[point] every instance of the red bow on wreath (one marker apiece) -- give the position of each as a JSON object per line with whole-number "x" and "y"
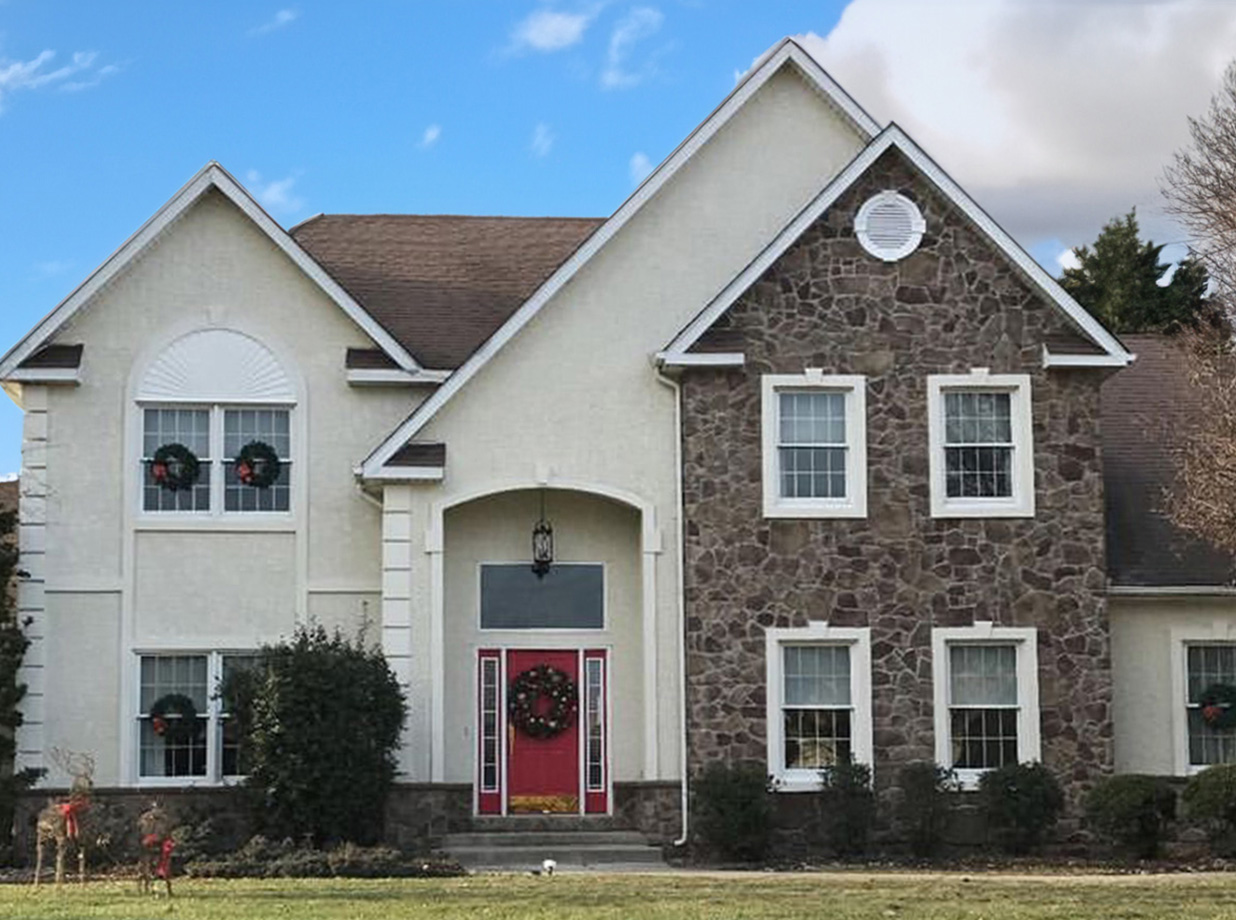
{"x": 159, "y": 725}
{"x": 158, "y": 472}
{"x": 244, "y": 472}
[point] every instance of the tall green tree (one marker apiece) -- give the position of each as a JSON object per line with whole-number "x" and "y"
{"x": 1120, "y": 282}
{"x": 13, "y": 645}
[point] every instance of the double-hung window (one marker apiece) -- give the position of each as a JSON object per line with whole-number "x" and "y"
{"x": 818, "y": 702}
{"x": 1205, "y": 667}
{"x": 184, "y": 732}
{"x": 814, "y": 445}
{"x": 218, "y": 438}
{"x": 981, "y": 445}
{"x": 986, "y": 698}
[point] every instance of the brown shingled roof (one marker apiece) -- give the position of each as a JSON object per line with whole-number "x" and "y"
{"x": 1141, "y": 404}
{"x": 441, "y": 285}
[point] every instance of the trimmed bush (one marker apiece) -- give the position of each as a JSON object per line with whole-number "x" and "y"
{"x": 1133, "y": 812}
{"x": 1021, "y": 801}
{"x": 262, "y": 858}
{"x": 848, "y": 807}
{"x": 1210, "y": 799}
{"x": 924, "y": 807}
{"x": 731, "y": 812}
{"x": 319, "y": 719}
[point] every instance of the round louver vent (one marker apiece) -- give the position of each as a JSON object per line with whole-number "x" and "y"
{"x": 889, "y": 226}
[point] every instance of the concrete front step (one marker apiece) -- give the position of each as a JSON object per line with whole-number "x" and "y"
{"x": 526, "y": 847}
{"x": 539, "y": 838}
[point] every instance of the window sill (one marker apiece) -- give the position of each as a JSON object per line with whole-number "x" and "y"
{"x": 956, "y": 509}
{"x": 186, "y": 782}
{"x": 242, "y": 521}
{"x": 811, "y": 509}
{"x": 796, "y": 784}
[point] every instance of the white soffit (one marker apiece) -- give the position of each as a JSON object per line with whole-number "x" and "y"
{"x": 787, "y": 51}
{"x": 893, "y": 136}
{"x": 212, "y": 175}
{"x": 216, "y": 365}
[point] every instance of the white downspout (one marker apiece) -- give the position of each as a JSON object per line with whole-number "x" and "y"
{"x": 680, "y": 550}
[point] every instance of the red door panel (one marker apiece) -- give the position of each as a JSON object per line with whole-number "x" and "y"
{"x": 543, "y": 773}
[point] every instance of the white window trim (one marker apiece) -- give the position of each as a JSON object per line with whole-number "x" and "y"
{"x": 854, "y": 387}
{"x": 817, "y": 633}
{"x": 1021, "y": 503}
{"x": 1220, "y": 632}
{"x": 214, "y": 710}
{"x": 218, "y": 460}
{"x": 1025, "y": 639}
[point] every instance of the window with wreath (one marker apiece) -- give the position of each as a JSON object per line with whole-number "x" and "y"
{"x": 216, "y": 427}
{"x": 183, "y": 730}
{"x": 1210, "y": 695}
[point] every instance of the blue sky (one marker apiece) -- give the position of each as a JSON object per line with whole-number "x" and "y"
{"x": 521, "y": 107}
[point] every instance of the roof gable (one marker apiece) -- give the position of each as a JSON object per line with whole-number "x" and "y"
{"x": 211, "y": 176}
{"x": 892, "y": 137}
{"x": 785, "y": 53}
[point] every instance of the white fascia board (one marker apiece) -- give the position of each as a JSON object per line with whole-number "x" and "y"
{"x": 49, "y": 375}
{"x": 1054, "y": 360}
{"x": 212, "y": 175}
{"x": 404, "y": 474}
{"x": 893, "y": 136}
{"x": 391, "y": 376}
{"x": 1171, "y": 591}
{"x": 701, "y": 359}
{"x": 784, "y": 52}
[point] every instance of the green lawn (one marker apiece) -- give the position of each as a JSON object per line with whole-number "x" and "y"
{"x": 695, "y": 897}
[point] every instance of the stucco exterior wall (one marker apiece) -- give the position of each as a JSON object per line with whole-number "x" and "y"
{"x": 954, "y": 305}
{"x": 1148, "y": 702}
{"x": 573, "y": 400}
{"x": 191, "y": 585}
{"x": 586, "y": 529}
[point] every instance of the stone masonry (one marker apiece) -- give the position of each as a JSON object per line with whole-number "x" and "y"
{"x": 955, "y": 304}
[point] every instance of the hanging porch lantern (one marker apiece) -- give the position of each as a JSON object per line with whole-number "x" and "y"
{"x": 542, "y": 543}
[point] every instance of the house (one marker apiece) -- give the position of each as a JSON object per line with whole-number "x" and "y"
{"x": 796, "y": 456}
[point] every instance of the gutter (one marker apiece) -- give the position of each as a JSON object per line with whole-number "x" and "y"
{"x": 681, "y": 604}
{"x": 1171, "y": 591}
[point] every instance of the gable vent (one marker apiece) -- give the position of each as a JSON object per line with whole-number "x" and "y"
{"x": 889, "y": 226}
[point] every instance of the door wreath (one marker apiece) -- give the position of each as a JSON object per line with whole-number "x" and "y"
{"x": 174, "y": 718}
{"x": 543, "y": 682}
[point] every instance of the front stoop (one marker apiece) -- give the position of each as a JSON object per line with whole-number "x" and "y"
{"x": 523, "y": 843}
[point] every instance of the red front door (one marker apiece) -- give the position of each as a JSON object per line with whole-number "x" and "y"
{"x": 542, "y": 773}
{"x": 522, "y": 772}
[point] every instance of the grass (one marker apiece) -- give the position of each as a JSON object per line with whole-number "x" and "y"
{"x": 846, "y": 896}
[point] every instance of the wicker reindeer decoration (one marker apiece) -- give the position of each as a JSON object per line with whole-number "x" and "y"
{"x": 154, "y": 828}
{"x": 61, "y": 821}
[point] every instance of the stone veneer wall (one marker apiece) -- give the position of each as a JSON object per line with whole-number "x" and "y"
{"x": 954, "y": 304}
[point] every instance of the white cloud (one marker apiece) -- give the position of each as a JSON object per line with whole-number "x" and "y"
{"x": 276, "y": 195}
{"x": 50, "y": 268}
{"x": 542, "y": 140}
{"x": 1067, "y": 259}
{"x": 9, "y": 477}
{"x": 1056, "y": 116}
{"x": 620, "y": 72}
{"x": 430, "y": 137}
{"x": 36, "y": 73}
{"x": 281, "y": 20}
{"x": 640, "y": 167}
{"x": 549, "y": 30}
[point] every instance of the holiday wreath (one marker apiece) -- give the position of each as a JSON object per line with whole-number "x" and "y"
{"x": 1218, "y": 705}
{"x": 535, "y": 684}
{"x": 174, "y": 718}
{"x": 174, "y": 467}
{"x": 258, "y": 465}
